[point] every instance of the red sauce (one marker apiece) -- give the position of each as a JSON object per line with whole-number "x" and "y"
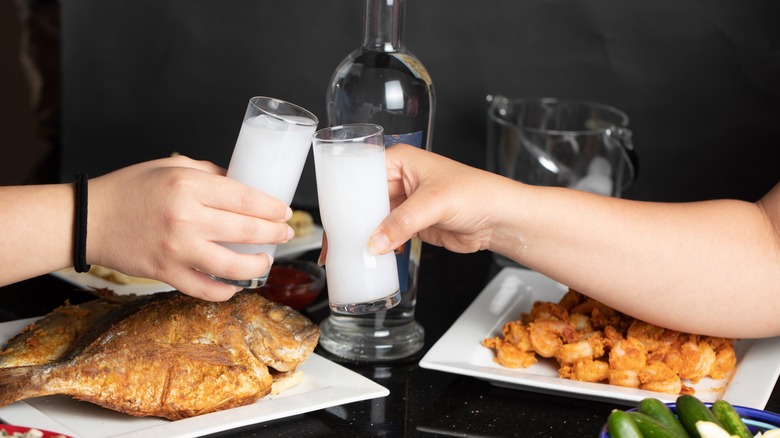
{"x": 289, "y": 286}
{"x": 282, "y": 276}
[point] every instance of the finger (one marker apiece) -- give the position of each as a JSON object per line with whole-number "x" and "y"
{"x": 218, "y": 192}
{"x": 224, "y": 262}
{"x": 227, "y": 194}
{"x": 397, "y": 193}
{"x": 324, "y": 251}
{"x": 223, "y": 226}
{"x": 184, "y": 161}
{"x": 409, "y": 218}
{"x": 402, "y": 179}
{"x": 202, "y": 165}
{"x": 200, "y": 285}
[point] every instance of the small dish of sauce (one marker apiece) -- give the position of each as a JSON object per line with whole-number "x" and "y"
{"x": 295, "y": 283}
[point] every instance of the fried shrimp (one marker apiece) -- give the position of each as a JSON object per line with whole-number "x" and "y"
{"x": 627, "y": 358}
{"x": 509, "y": 355}
{"x": 625, "y": 378}
{"x": 570, "y": 299}
{"x": 592, "y": 342}
{"x": 548, "y": 310}
{"x": 587, "y": 370}
{"x": 651, "y": 336}
{"x": 548, "y": 336}
{"x": 600, "y": 314}
{"x": 657, "y": 376}
{"x": 628, "y": 354}
{"x": 581, "y": 322}
{"x": 517, "y": 335}
{"x": 725, "y": 357}
{"x": 692, "y": 359}
{"x": 514, "y": 349}
{"x": 586, "y": 349}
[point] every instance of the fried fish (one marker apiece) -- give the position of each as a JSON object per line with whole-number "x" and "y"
{"x": 49, "y": 338}
{"x": 173, "y": 356}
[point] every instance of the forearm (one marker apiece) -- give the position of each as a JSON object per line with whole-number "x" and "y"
{"x": 711, "y": 267}
{"x": 37, "y": 228}
{"x": 705, "y": 267}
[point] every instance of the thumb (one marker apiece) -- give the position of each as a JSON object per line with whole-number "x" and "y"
{"x": 404, "y": 222}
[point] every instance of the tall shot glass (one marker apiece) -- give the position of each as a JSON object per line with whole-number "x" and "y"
{"x": 269, "y": 155}
{"x": 349, "y": 163}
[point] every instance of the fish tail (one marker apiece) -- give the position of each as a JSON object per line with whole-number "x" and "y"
{"x": 19, "y": 383}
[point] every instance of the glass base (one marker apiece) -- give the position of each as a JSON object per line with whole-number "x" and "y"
{"x": 368, "y": 306}
{"x": 252, "y": 283}
{"x": 350, "y": 337}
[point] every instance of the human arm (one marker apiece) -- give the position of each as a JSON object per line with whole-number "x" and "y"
{"x": 160, "y": 219}
{"x": 706, "y": 267}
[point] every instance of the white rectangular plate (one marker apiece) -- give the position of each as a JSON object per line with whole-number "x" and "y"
{"x": 289, "y": 250}
{"x": 325, "y": 384}
{"x": 513, "y": 292}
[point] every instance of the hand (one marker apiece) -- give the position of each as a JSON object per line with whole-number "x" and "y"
{"x": 444, "y": 202}
{"x": 162, "y": 219}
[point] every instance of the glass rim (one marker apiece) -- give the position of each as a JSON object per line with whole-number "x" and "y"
{"x": 312, "y": 120}
{"x": 498, "y": 101}
{"x": 378, "y": 130}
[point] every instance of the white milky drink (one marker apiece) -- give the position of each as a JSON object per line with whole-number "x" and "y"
{"x": 269, "y": 155}
{"x": 353, "y": 200}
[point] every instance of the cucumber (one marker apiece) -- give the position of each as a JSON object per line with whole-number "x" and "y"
{"x": 690, "y": 410}
{"x": 652, "y": 428}
{"x": 730, "y": 419}
{"x": 621, "y": 425}
{"x": 656, "y": 409}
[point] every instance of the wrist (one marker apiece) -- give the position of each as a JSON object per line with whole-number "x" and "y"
{"x": 95, "y": 221}
{"x": 508, "y": 218}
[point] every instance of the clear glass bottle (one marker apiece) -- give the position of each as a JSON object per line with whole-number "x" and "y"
{"x": 383, "y": 83}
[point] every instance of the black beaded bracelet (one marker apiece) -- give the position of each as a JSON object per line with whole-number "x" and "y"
{"x": 80, "y": 226}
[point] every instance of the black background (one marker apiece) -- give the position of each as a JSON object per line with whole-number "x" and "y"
{"x": 700, "y": 79}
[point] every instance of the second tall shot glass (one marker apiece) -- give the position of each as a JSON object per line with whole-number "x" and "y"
{"x": 269, "y": 155}
{"x": 349, "y": 162}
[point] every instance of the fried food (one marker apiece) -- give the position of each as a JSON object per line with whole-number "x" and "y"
{"x": 593, "y": 342}
{"x": 301, "y": 222}
{"x": 514, "y": 349}
{"x": 50, "y": 337}
{"x": 174, "y": 356}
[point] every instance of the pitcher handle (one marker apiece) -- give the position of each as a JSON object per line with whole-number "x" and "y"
{"x": 623, "y": 136}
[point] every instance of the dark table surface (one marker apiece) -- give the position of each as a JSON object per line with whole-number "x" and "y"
{"x": 421, "y": 402}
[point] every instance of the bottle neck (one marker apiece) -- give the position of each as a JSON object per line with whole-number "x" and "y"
{"x": 384, "y": 25}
